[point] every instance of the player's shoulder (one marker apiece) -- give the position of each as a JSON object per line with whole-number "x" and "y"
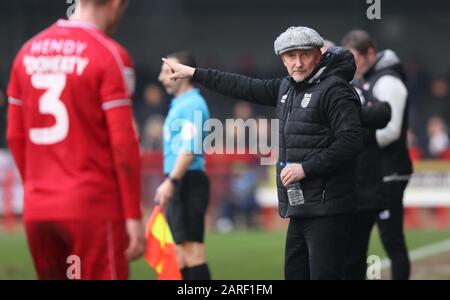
{"x": 110, "y": 44}
{"x": 193, "y": 97}
{"x": 201, "y": 101}
{"x": 119, "y": 47}
{"x": 389, "y": 84}
{"x": 103, "y": 45}
{"x": 27, "y": 46}
{"x": 113, "y": 49}
{"x": 41, "y": 35}
{"x": 389, "y": 79}
{"x": 195, "y": 102}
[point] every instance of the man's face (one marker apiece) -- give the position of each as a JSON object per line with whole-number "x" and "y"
{"x": 363, "y": 61}
{"x": 301, "y": 63}
{"x": 171, "y": 86}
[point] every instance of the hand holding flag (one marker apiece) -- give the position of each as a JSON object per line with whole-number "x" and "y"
{"x": 161, "y": 250}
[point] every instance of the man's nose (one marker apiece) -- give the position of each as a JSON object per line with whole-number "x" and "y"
{"x": 298, "y": 61}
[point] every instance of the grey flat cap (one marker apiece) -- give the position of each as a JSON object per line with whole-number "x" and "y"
{"x": 297, "y": 38}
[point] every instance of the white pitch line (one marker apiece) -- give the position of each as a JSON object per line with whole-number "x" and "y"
{"x": 423, "y": 252}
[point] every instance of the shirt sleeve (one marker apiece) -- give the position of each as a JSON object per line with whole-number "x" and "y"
{"x": 15, "y": 132}
{"x": 14, "y": 90}
{"x": 125, "y": 150}
{"x": 260, "y": 91}
{"x": 390, "y": 89}
{"x": 115, "y": 97}
{"x": 117, "y": 80}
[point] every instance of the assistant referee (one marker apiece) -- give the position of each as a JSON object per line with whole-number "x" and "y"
{"x": 185, "y": 191}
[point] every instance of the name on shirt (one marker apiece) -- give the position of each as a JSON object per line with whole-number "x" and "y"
{"x": 56, "y": 56}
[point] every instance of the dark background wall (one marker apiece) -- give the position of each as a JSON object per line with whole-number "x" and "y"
{"x": 238, "y": 35}
{"x": 221, "y": 33}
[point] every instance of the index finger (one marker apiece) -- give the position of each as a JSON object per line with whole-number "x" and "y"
{"x": 166, "y": 61}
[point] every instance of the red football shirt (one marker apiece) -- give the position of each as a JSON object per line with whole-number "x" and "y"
{"x": 65, "y": 80}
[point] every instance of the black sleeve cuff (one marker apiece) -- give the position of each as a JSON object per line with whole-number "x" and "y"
{"x": 309, "y": 168}
{"x": 200, "y": 75}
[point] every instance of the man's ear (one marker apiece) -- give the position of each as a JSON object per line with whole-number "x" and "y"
{"x": 283, "y": 59}
{"x": 319, "y": 55}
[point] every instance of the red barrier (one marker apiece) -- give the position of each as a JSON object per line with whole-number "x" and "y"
{"x": 442, "y": 217}
{"x": 445, "y": 155}
{"x": 415, "y": 153}
{"x": 219, "y": 168}
{"x": 412, "y": 214}
{"x": 441, "y": 214}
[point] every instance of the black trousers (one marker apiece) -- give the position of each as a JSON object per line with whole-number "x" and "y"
{"x": 186, "y": 211}
{"x": 391, "y": 231}
{"x": 316, "y": 247}
{"x": 356, "y": 263}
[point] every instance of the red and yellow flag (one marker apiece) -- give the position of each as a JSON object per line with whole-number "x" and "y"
{"x": 161, "y": 250}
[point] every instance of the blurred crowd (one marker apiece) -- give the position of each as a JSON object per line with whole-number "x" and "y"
{"x": 429, "y": 112}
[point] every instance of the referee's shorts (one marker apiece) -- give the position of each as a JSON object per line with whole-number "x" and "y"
{"x": 186, "y": 211}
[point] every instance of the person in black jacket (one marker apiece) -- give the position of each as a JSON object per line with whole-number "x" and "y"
{"x": 382, "y": 78}
{"x": 370, "y": 192}
{"x": 320, "y": 136}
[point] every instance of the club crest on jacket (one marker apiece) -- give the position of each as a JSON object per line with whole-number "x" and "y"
{"x": 306, "y": 99}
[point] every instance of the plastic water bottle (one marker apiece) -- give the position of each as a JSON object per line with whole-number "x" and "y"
{"x": 294, "y": 191}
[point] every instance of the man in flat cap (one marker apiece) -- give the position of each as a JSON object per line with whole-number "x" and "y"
{"x": 319, "y": 138}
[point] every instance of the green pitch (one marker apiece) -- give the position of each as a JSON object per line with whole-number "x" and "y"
{"x": 236, "y": 255}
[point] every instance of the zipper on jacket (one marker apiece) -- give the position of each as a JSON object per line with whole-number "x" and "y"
{"x": 323, "y": 196}
{"x": 289, "y": 103}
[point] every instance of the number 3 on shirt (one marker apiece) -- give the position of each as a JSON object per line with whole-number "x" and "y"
{"x": 50, "y": 103}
